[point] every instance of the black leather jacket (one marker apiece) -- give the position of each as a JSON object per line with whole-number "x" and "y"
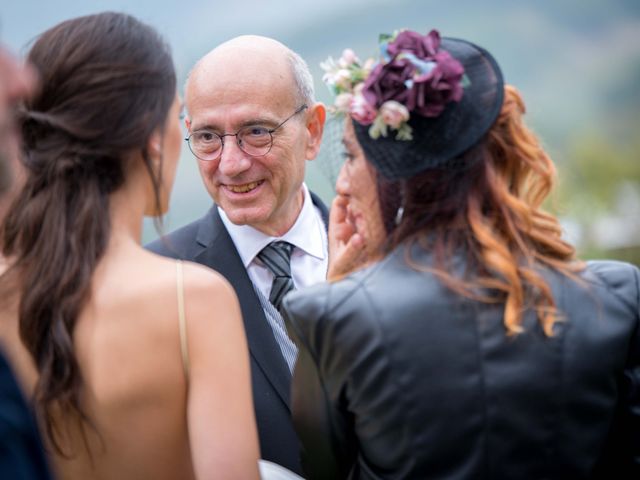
{"x": 398, "y": 377}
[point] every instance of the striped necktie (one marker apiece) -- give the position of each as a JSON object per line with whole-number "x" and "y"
{"x": 277, "y": 258}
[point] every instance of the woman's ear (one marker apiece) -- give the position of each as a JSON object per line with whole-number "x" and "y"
{"x": 154, "y": 150}
{"x": 154, "y": 145}
{"x": 315, "y": 126}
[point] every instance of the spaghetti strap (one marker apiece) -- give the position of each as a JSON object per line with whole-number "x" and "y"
{"x": 182, "y": 321}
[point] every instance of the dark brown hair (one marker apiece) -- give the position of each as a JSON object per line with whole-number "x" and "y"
{"x": 486, "y": 203}
{"x": 107, "y": 83}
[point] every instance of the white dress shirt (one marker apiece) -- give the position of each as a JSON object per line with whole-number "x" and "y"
{"x": 309, "y": 259}
{"x": 309, "y": 263}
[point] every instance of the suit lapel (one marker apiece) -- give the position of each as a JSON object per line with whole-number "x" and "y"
{"x": 220, "y": 253}
{"x": 322, "y": 208}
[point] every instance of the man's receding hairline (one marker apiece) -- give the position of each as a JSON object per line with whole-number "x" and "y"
{"x": 298, "y": 69}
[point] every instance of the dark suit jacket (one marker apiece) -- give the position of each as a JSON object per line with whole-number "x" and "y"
{"x": 207, "y": 241}
{"x": 21, "y": 453}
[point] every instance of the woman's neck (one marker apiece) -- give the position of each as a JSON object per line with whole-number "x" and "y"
{"x": 127, "y": 206}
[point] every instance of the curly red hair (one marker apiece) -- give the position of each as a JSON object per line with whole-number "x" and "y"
{"x": 487, "y": 203}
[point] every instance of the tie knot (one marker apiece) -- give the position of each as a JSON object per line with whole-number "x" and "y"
{"x": 277, "y": 258}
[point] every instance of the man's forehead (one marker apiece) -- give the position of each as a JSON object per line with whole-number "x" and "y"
{"x": 240, "y": 96}
{"x": 231, "y": 114}
{"x": 245, "y": 80}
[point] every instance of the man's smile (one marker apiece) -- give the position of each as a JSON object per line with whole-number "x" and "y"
{"x": 244, "y": 188}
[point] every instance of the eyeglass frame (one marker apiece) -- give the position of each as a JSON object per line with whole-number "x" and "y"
{"x": 303, "y": 107}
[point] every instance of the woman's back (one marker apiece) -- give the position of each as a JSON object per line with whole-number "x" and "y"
{"x": 123, "y": 384}
{"x": 135, "y": 384}
{"x": 127, "y": 343}
{"x": 434, "y": 388}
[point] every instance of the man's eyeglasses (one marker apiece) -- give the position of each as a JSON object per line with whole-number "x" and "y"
{"x": 254, "y": 140}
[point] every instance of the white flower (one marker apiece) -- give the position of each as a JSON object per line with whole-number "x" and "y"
{"x": 369, "y": 65}
{"x": 329, "y": 65}
{"x": 342, "y": 79}
{"x": 394, "y": 114}
{"x": 343, "y": 101}
{"x": 405, "y": 132}
{"x": 378, "y": 128}
{"x": 348, "y": 58}
{"x": 357, "y": 90}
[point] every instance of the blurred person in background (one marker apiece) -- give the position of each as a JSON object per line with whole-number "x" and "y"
{"x": 253, "y": 124}
{"x": 137, "y": 364}
{"x": 459, "y": 336}
{"x": 21, "y": 453}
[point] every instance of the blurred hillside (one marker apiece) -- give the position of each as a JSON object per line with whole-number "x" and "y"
{"x": 577, "y": 63}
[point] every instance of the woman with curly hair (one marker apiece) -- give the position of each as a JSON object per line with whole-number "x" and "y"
{"x": 459, "y": 336}
{"x": 137, "y": 365}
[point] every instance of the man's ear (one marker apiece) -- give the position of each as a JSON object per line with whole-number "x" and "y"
{"x": 315, "y": 126}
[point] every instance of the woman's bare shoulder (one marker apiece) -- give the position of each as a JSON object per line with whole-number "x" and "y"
{"x": 147, "y": 285}
{"x": 208, "y": 294}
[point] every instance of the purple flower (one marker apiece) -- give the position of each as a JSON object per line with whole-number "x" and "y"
{"x": 432, "y": 91}
{"x": 422, "y": 46}
{"x": 388, "y": 82}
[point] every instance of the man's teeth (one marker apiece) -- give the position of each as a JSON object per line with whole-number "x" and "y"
{"x": 247, "y": 187}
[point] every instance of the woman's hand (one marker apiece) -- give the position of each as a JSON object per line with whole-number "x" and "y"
{"x": 346, "y": 245}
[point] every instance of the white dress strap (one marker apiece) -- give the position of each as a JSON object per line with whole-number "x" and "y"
{"x": 182, "y": 321}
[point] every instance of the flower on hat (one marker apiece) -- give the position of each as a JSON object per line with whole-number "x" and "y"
{"x": 412, "y": 76}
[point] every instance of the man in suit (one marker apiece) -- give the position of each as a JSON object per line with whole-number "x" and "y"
{"x": 253, "y": 123}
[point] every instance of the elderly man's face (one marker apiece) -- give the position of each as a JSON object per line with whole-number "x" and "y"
{"x": 15, "y": 83}
{"x": 238, "y": 91}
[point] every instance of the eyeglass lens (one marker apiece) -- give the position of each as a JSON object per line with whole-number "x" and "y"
{"x": 253, "y": 140}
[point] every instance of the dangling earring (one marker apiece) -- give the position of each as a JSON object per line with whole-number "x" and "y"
{"x": 399, "y": 214}
{"x": 400, "y": 211}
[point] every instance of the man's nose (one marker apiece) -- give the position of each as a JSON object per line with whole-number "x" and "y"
{"x": 233, "y": 161}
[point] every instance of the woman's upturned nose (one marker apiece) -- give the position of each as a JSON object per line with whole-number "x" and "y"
{"x": 342, "y": 182}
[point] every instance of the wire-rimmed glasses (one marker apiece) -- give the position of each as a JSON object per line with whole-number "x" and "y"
{"x": 254, "y": 140}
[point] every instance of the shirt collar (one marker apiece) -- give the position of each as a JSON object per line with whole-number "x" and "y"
{"x": 307, "y": 233}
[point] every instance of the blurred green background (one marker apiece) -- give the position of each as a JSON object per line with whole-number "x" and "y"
{"x": 577, "y": 63}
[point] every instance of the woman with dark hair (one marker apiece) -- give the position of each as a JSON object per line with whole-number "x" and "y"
{"x": 137, "y": 365}
{"x": 470, "y": 343}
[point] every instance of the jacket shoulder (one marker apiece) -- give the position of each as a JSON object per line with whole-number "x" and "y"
{"x": 619, "y": 279}
{"x": 180, "y": 242}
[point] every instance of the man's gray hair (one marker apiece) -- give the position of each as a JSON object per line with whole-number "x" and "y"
{"x": 302, "y": 77}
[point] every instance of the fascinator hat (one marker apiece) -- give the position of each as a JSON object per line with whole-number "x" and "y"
{"x": 422, "y": 104}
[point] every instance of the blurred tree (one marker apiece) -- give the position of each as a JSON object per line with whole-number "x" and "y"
{"x": 599, "y": 192}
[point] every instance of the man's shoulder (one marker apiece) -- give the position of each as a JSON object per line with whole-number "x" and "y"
{"x": 180, "y": 242}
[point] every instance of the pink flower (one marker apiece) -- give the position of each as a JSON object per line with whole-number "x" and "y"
{"x": 362, "y": 111}
{"x": 348, "y": 58}
{"x": 394, "y": 113}
{"x": 343, "y": 102}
